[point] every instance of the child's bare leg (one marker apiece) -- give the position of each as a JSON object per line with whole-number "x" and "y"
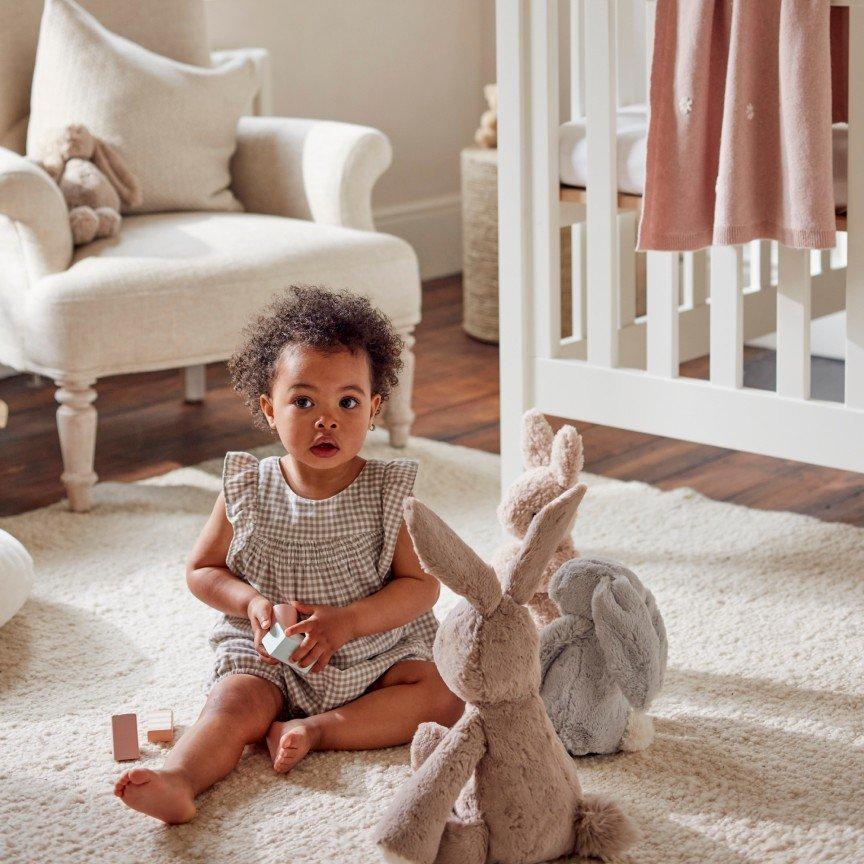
{"x": 238, "y": 711}
{"x": 409, "y": 693}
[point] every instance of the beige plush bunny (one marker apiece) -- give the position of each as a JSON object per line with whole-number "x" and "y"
{"x": 487, "y": 133}
{"x": 552, "y": 464}
{"x": 499, "y": 786}
{"x": 93, "y": 178}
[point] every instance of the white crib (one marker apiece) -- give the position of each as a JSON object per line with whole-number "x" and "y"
{"x": 621, "y": 370}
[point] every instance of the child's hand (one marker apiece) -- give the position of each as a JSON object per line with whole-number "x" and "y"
{"x": 260, "y": 612}
{"x": 327, "y": 629}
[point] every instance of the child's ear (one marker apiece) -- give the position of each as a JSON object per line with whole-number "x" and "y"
{"x": 376, "y": 404}
{"x": 267, "y": 409}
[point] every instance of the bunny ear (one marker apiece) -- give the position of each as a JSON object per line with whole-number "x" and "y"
{"x": 631, "y": 636}
{"x": 567, "y": 457}
{"x": 109, "y": 162}
{"x": 53, "y": 167}
{"x": 50, "y": 154}
{"x": 536, "y": 439}
{"x": 547, "y": 530}
{"x": 444, "y": 554}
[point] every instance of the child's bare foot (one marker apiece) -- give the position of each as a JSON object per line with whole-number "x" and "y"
{"x": 162, "y": 794}
{"x": 289, "y": 741}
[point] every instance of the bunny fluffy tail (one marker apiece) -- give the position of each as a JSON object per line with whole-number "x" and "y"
{"x": 603, "y": 829}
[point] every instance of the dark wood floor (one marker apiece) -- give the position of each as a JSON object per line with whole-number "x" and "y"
{"x": 146, "y": 429}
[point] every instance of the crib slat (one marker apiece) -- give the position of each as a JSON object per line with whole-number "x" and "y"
{"x": 577, "y": 58}
{"x": 695, "y": 289}
{"x": 579, "y": 279}
{"x": 650, "y": 27}
{"x": 546, "y": 243}
{"x": 578, "y": 245}
{"x": 760, "y": 264}
{"x": 663, "y": 287}
{"x": 602, "y": 184}
{"x": 855, "y": 221}
{"x": 793, "y": 323}
{"x": 627, "y": 267}
{"x": 727, "y": 317}
{"x": 514, "y": 228}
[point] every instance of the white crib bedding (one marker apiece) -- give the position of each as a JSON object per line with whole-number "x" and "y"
{"x": 632, "y": 137}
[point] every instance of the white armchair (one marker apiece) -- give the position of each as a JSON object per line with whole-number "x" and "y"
{"x": 174, "y": 289}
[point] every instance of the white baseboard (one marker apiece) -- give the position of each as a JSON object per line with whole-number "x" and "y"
{"x": 433, "y": 226}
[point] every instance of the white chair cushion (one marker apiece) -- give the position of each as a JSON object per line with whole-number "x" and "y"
{"x": 632, "y": 140}
{"x": 176, "y": 288}
{"x": 16, "y": 576}
{"x": 175, "y": 125}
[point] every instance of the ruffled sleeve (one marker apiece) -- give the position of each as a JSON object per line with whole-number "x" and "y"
{"x": 240, "y": 485}
{"x": 399, "y": 476}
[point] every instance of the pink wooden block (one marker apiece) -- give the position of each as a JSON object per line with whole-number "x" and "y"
{"x": 285, "y": 614}
{"x": 160, "y": 726}
{"x": 124, "y": 731}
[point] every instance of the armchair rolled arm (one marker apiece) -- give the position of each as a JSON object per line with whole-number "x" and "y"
{"x": 34, "y": 220}
{"x": 306, "y": 169}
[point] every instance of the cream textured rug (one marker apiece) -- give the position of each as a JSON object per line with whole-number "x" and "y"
{"x": 758, "y": 755}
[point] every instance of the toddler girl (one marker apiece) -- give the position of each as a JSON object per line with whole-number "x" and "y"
{"x": 320, "y": 528}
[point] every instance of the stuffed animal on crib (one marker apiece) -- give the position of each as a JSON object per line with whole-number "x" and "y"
{"x": 487, "y": 134}
{"x": 498, "y": 785}
{"x": 602, "y": 662}
{"x": 93, "y": 178}
{"x": 552, "y": 464}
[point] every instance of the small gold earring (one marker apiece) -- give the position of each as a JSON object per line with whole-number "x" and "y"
{"x": 371, "y": 427}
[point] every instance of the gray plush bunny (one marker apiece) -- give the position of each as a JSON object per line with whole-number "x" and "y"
{"x": 603, "y": 661}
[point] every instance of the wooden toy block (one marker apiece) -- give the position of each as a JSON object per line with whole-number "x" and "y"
{"x": 160, "y": 726}
{"x": 281, "y": 647}
{"x": 124, "y": 732}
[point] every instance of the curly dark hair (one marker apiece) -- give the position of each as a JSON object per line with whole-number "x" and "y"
{"x": 322, "y": 319}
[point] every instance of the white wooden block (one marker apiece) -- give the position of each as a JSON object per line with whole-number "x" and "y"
{"x": 281, "y": 647}
{"x": 159, "y": 724}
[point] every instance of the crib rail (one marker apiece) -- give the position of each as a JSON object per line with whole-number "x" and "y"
{"x": 621, "y": 366}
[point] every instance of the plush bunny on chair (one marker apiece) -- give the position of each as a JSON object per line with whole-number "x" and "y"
{"x": 94, "y": 181}
{"x": 499, "y": 785}
{"x": 552, "y": 464}
{"x": 603, "y": 661}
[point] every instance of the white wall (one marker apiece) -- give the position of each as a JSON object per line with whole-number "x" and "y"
{"x": 414, "y": 69}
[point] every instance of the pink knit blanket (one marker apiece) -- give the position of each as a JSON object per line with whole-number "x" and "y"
{"x": 739, "y": 136}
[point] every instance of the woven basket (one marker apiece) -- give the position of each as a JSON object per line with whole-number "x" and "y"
{"x": 480, "y": 248}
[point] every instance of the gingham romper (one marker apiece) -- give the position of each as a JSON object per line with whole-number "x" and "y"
{"x": 331, "y": 552}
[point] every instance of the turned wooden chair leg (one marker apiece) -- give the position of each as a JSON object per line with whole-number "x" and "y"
{"x": 195, "y": 380}
{"x": 398, "y": 415}
{"x": 76, "y": 423}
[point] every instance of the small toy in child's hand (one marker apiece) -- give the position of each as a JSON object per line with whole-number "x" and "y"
{"x": 160, "y": 726}
{"x": 277, "y": 644}
{"x": 124, "y": 732}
